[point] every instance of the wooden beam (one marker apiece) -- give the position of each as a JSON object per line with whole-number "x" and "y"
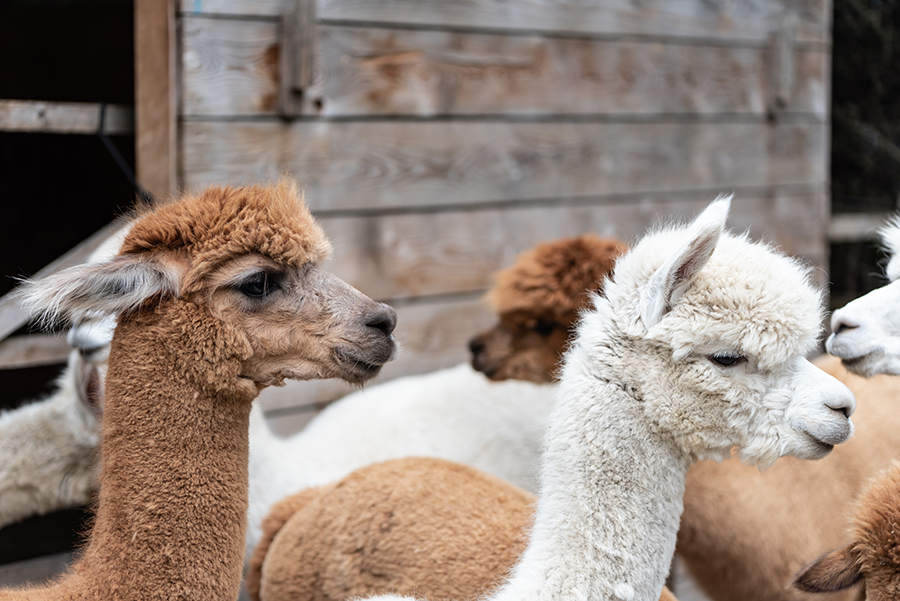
{"x": 155, "y": 109}
{"x": 232, "y": 73}
{"x": 856, "y": 227}
{"x": 38, "y": 116}
{"x": 33, "y": 350}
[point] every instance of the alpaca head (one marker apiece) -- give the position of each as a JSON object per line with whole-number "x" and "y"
{"x": 538, "y": 299}
{"x": 874, "y": 554}
{"x": 249, "y": 260}
{"x": 866, "y": 331}
{"x": 710, "y": 331}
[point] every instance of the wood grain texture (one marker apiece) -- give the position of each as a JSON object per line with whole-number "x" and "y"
{"x": 33, "y": 350}
{"x": 408, "y": 256}
{"x": 155, "y": 110}
{"x": 230, "y": 67}
{"x": 64, "y": 117}
{"x": 739, "y": 21}
{"x": 375, "y": 165}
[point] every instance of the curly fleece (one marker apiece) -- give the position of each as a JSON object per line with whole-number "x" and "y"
{"x": 224, "y": 222}
{"x": 550, "y": 278}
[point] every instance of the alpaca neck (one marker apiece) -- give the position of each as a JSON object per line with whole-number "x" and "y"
{"x": 172, "y": 507}
{"x": 611, "y": 497}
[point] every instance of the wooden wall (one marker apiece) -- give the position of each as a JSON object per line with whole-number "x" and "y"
{"x": 436, "y": 139}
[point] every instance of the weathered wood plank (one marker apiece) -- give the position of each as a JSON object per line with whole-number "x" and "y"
{"x": 33, "y": 350}
{"x": 727, "y": 21}
{"x": 155, "y": 117}
{"x": 230, "y": 67}
{"x": 36, "y": 116}
{"x": 855, "y": 227}
{"x": 373, "y": 164}
{"x": 34, "y": 571}
{"x": 432, "y": 335}
{"x": 414, "y": 255}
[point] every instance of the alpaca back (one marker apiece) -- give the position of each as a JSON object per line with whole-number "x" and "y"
{"x": 419, "y": 526}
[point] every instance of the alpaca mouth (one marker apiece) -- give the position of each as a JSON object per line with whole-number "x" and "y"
{"x": 357, "y": 368}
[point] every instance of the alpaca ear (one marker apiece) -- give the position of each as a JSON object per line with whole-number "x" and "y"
{"x": 118, "y": 286}
{"x": 834, "y": 571}
{"x": 669, "y": 283}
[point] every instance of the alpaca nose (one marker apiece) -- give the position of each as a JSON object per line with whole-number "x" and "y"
{"x": 383, "y": 319}
{"x": 841, "y": 323}
{"x": 476, "y": 346}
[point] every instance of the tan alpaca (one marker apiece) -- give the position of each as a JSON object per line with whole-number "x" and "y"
{"x": 219, "y": 295}
{"x": 538, "y": 299}
{"x": 873, "y": 555}
{"x": 415, "y": 526}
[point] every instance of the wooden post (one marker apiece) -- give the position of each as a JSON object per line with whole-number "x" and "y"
{"x": 155, "y": 108}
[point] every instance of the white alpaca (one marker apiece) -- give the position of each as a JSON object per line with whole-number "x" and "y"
{"x": 49, "y": 447}
{"x": 698, "y": 347}
{"x": 866, "y": 331}
{"x": 48, "y": 451}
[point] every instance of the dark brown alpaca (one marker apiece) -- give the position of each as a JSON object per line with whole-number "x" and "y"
{"x": 538, "y": 299}
{"x": 219, "y": 295}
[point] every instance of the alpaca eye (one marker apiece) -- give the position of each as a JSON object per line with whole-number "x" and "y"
{"x": 544, "y": 328}
{"x": 725, "y": 359}
{"x": 258, "y": 286}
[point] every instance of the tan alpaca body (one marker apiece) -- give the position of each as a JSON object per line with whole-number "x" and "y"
{"x": 219, "y": 295}
{"x": 872, "y": 559}
{"x": 745, "y": 533}
{"x": 414, "y": 526}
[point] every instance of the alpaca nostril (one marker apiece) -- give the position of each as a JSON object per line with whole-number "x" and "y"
{"x": 383, "y": 319}
{"x": 843, "y": 326}
{"x": 841, "y": 409}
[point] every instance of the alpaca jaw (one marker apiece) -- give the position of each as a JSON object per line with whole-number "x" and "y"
{"x": 819, "y": 413}
{"x": 866, "y": 333}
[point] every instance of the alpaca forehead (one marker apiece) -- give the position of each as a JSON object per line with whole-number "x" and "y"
{"x": 747, "y": 296}
{"x": 224, "y": 222}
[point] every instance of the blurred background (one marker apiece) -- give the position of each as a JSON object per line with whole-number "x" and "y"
{"x": 437, "y": 139}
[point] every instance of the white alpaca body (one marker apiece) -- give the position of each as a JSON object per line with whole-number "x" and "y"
{"x": 697, "y": 347}
{"x": 456, "y": 414}
{"x": 866, "y": 331}
{"x": 48, "y": 451}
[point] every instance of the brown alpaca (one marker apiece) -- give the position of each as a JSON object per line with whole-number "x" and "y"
{"x": 414, "y": 526}
{"x": 538, "y": 299}
{"x": 219, "y": 295}
{"x": 873, "y": 556}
